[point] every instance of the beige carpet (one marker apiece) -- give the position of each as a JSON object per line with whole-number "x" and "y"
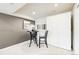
{"x": 23, "y": 49}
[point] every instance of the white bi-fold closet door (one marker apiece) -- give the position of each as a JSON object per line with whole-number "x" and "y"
{"x": 59, "y": 30}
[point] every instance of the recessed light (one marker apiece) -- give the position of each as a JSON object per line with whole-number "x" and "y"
{"x": 34, "y": 13}
{"x": 56, "y": 5}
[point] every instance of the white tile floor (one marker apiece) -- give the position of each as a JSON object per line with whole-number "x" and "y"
{"x": 23, "y": 49}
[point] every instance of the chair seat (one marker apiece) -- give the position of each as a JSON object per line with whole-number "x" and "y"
{"x": 41, "y": 37}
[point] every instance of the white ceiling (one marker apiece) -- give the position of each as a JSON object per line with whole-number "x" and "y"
{"x": 38, "y": 10}
{"x": 34, "y": 10}
{"x": 10, "y": 7}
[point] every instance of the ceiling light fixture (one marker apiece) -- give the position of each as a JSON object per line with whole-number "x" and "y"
{"x": 34, "y": 13}
{"x": 56, "y": 5}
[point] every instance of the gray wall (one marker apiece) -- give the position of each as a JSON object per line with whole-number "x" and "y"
{"x": 10, "y": 23}
{"x": 11, "y": 31}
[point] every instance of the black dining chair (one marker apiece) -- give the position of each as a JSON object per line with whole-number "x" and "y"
{"x": 33, "y": 36}
{"x": 43, "y": 37}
